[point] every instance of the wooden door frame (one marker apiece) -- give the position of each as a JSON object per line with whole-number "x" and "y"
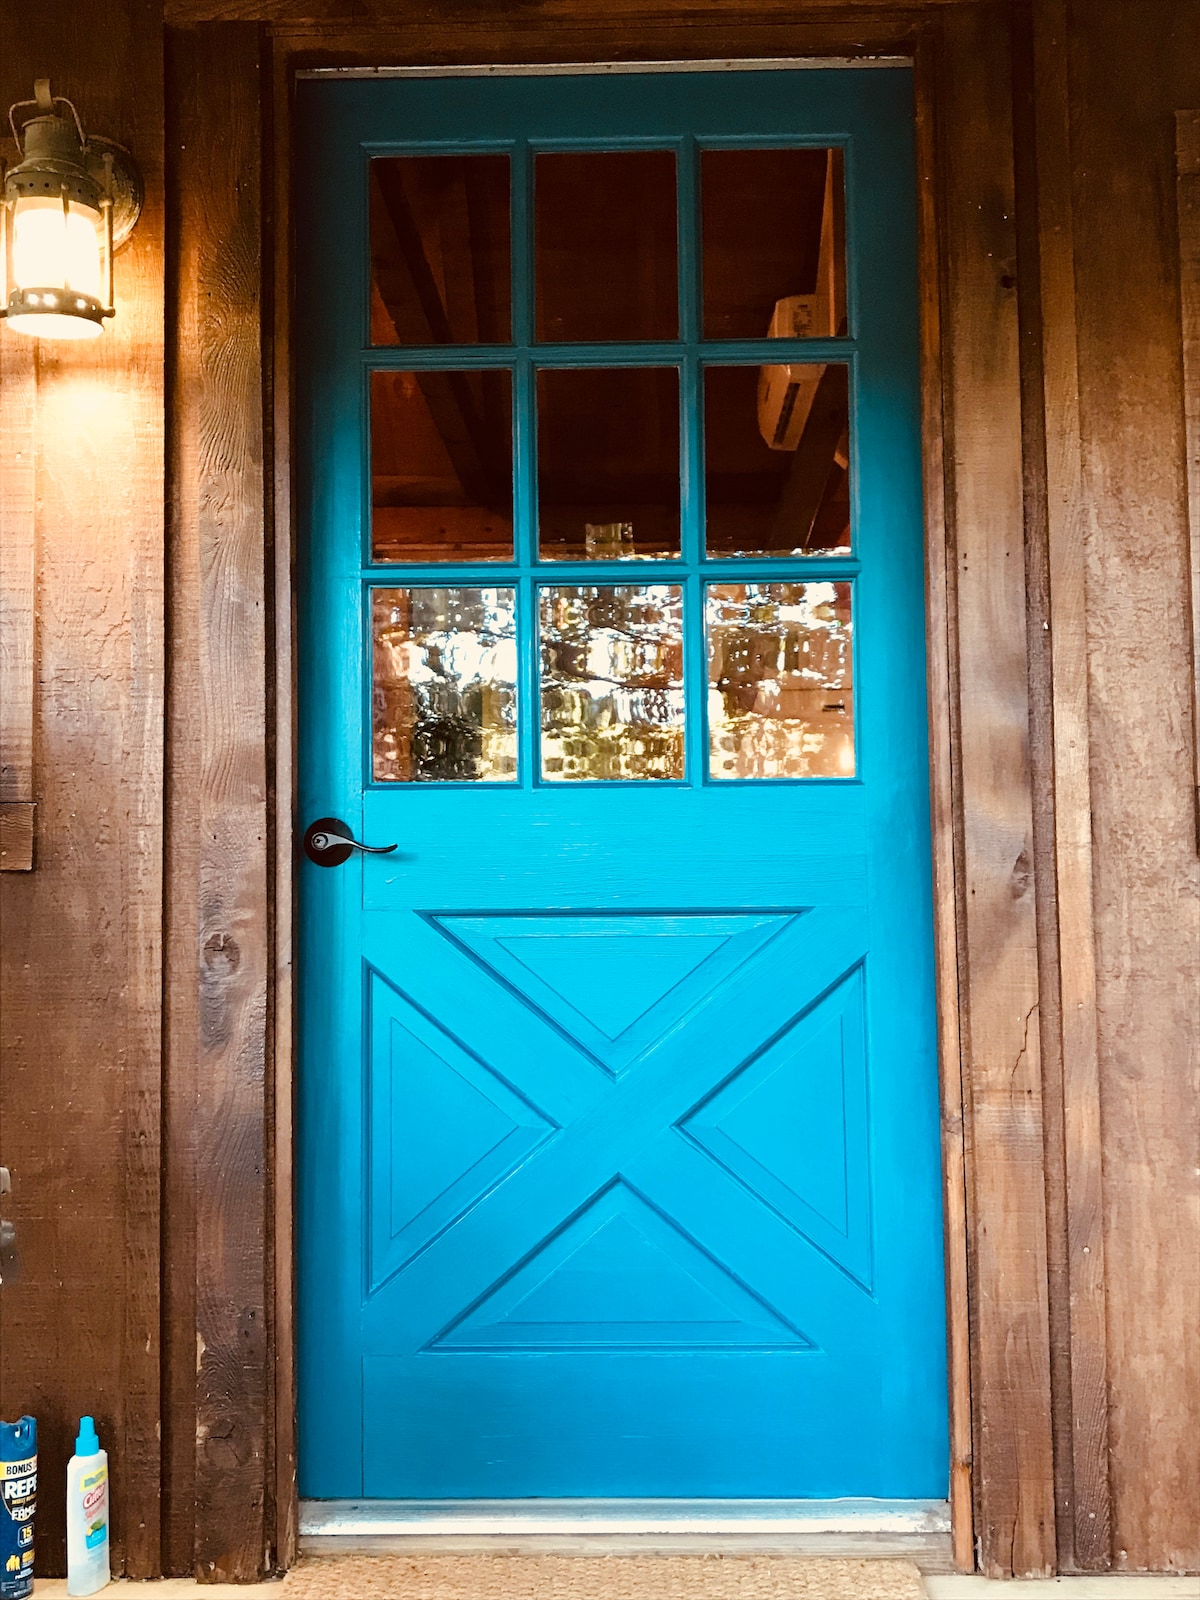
{"x": 228, "y": 1279}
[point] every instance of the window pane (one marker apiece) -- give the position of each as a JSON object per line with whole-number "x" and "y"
{"x": 441, "y": 466}
{"x": 605, "y": 253}
{"x": 773, "y": 249}
{"x": 780, "y": 684}
{"x": 440, "y": 260}
{"x": 444, "y": 703}
{"x": 612, "y": 682}
{"x": 777, "y": 460}
{"x": 608, "y": 463}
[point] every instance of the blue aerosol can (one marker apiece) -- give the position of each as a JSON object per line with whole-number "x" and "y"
{"x": 18, "y": 1501}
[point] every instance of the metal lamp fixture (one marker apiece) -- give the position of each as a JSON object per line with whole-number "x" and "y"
{"x": 69, "y": 204}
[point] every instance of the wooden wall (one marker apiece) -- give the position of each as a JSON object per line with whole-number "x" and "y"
{"x": 80, "y": 974}
{"x": 155, "y": 741}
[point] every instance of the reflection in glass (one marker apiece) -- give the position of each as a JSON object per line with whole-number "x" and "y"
{"x": 773, "y": 244}
{"x": 777, "y": 460}
{"x": 608, "y": 463}
{"x": 444, "y": 700}
{"x": 780, "y": 680}
{"x": 440, "y": 271}
{"x": 612, "y": 682}
{"x": 605, "y": 251}
{"x": 441, "y": 466}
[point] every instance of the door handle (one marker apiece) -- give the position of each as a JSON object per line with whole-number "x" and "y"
{"x": 328, "y": 842}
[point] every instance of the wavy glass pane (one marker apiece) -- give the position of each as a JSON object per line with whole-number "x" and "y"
{"x": 777, "y": 460}
{"x": 773, "y": 244}
{"x": 441, "y": 466}
{"x": 444, "y": 701}
{"x": 612, "y": 682}
{"x": 608, "y": 463}
{"x": 780, "y": 680}
{"x": 605, "y": 252}
{"x": 440, "y": 258}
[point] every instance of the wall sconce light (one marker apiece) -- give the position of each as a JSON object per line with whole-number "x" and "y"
{"x": 69, "y": 204}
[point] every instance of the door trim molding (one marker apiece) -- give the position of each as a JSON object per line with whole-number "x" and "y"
{"x": 981, "y": 794}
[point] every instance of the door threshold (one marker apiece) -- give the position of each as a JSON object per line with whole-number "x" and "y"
{"x": 918, "y": 1530}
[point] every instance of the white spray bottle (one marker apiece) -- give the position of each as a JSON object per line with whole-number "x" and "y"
{"x": 87, "y": 1513}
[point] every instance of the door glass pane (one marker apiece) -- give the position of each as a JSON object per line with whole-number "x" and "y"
{"x": 605, "y": 250}
{"x": 612, "y": 681}
{"x": 780, "y": 680}
{"x": 440, "y": 257}
{"x": 773, "y": 250}
{"x": 777, "y": 460}
{"x": 608, "y": 463}
{"x": 441, "y": 466}
{"x": 444, "y": 701}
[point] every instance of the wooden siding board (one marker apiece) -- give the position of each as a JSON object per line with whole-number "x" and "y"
{"x": 1013, "y": 1456}
{"x": 80, "y": 984}
{"x": 1187, "y": 157}
{"x": 943, "y": 724}
{"x": 629, "y": 15}
{"x": 284, "y": 774}
{"x": 1081, "y": 1394}
{"x": 1127, "y": 80}
{"x": 221, "y": 509}
{"x": 18, "y": 385}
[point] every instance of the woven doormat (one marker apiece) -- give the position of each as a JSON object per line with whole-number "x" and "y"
{"x": 641, "y": 1577}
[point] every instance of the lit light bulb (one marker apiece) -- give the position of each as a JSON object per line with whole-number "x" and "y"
{"x": 55, "y": 262}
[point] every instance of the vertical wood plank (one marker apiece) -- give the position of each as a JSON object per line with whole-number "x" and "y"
{"x": 80, "y": 986}
{"x": 1187, "y": 161}
{"x": 220, "y": 422}
{"x": 1126, "y": 82}
{"x": 1013, "y": 1449}
{"x": 942, "y": 657}
{"x": 286, "y": 1524}
{"x": 17, "y": 544}
{"x": 1086, "y": 1540}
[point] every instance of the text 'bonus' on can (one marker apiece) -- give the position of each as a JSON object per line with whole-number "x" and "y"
{"x": 18, "y": 1501}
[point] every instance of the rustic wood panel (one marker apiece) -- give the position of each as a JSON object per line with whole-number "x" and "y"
{"x": 1126, "y": 81}
{"x": 80, "y": 982}
{"x": 1013, "y": 1454}
{"x": 941, "y": 621}
{"x": 16, "y": 835}
{"x": 286, "y": 1524}
{"x": 220, "y": 487}
{"x": 630, "y": 16}
{"x": 480, "y": 39}
{"x": 1073, "y": 1110}
{"x": 1187, "y": 157}
{"x": 17, "y": 577}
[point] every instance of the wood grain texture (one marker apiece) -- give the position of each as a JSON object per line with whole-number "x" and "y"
{"x": 1127, "y": 81}
{"x": 1013, "y": 1454}
{"x": 80, "y": 981}
{"x": 1187, "y": 159}
{"x": 217, "y": 184}
{"x": 18, "y": 532}
{"x": 595, "y": 36}
{"x": 360, "y": 15}
{"x": 287, "y": 1507}
{"x": 1073, "y": 1123}
{"x": 943, "y": 734}
{"x": 16, "y": 835}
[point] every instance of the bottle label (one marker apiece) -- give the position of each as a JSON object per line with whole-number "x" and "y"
{"x": 18, "y": 1502}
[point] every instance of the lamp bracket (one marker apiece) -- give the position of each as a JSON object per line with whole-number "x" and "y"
{"x": 120, "y": 179}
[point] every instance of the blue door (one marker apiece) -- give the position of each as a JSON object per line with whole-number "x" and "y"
{"x": 619, "y": 1160}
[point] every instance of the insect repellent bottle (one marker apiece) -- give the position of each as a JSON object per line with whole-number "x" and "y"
{"x": 87, "y": 1513}
{"x": 18, "y": 1498}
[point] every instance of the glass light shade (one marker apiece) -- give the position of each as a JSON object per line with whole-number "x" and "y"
{"x": 56, "y": 254}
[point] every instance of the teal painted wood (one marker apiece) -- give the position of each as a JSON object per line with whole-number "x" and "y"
{"x": 619, "y": 1159}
